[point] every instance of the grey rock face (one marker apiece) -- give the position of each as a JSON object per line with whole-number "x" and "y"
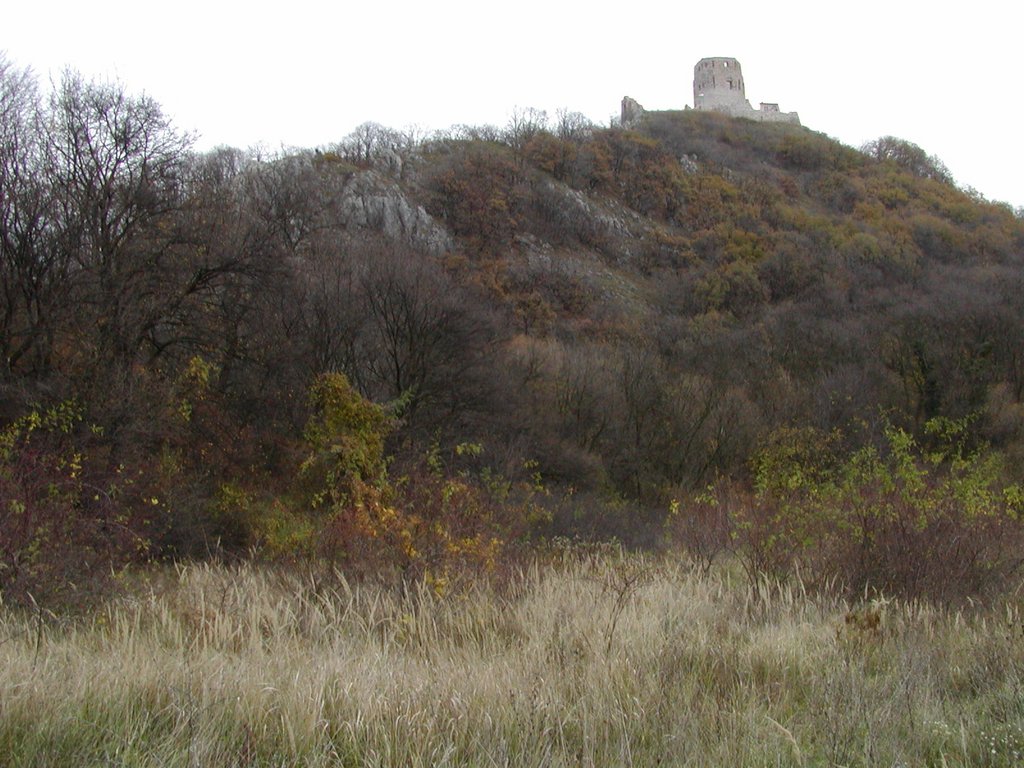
{"x": 369, "y": 201}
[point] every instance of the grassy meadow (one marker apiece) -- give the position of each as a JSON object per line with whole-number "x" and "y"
{"x": 588, "y": 660}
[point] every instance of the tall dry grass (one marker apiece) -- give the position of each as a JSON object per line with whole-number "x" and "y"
{"x": 597, "y": 660}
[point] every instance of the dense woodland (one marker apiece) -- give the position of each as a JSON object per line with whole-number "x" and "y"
{"x": 412, "y": 356}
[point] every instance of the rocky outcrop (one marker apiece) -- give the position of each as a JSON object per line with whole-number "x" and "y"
{"x": 370, "y": 201}
{"x": 604, "y": 225}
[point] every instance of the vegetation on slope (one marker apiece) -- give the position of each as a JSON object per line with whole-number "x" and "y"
{"x": 413, "y": 354}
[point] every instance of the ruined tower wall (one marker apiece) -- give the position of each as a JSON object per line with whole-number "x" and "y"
{"x": 718, "y": 84}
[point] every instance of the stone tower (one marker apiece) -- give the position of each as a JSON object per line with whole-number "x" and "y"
{"x": 718, "y": 85}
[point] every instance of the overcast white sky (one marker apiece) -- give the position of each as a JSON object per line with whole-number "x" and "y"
{"x": 303, "y": 73}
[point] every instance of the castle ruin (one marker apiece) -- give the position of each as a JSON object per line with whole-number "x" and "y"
{"x": 718, "y": 87}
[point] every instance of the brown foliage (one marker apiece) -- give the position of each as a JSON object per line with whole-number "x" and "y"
{"x": 477, "y": 195}
{"x": 429, "y": 523}
{"x": 68, "y": 520}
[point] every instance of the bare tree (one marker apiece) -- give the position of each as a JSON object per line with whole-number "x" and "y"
{"x": 909, "y": 156}
{"x": 34, "y": 273}
{"x": 369, "y": 142}
{"x": 116, "y": 165}
{"x": 573, "y": 126}
{"x": 423, "y": 340}
{"x": 523, "y": 127}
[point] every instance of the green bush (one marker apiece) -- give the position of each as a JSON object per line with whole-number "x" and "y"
{"x": 346, "y": 436}
{"x": 902, "y": 519}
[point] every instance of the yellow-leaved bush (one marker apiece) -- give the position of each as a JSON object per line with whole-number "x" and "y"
{"x": 426, "y": 521}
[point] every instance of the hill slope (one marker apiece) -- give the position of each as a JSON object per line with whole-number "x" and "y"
{"x": 628, "y": 313}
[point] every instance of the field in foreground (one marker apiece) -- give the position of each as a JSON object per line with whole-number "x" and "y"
{"x": 595, "y": 660}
